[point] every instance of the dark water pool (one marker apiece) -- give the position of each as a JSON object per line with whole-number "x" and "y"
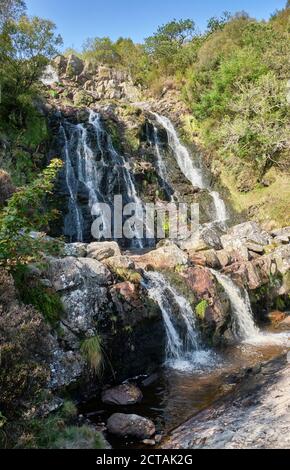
{"x": 172, "y": 396}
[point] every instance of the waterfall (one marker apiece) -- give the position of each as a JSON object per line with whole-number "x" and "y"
{"x": 92, "y": 161}
{"x": 183, "y": 349}
{"x": 190, "y": 171}
{"x": 243, "y": 322}
{"x": 74, "y": 217}
{"x": 220, "y": 207}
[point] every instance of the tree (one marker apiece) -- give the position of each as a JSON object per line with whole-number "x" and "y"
{"x": 101, "y": 50}
{"x": 26, "y": 46}
{"x": 169, "y": 40}
{"x": 215, "y": 24}
{"x": 11, "y": 10}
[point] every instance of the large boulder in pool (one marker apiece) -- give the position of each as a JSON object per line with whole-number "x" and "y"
{"x": 130, "y": 425}
{"x": 125, "y": 394}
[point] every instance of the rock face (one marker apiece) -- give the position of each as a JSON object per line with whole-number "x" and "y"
{"x": 216, "y": 315}
{"x": 248, "y": 234}
{"x": 95, "y": 304}
{"x": 97, "y": 82}
{"x": 256, "y": 417}
{"x": 125, "y": 394}
{"x": 137, "y": 427}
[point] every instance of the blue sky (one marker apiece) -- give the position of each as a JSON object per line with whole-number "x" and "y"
{"x": 80, "y": 19}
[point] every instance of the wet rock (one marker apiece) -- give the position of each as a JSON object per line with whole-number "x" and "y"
{"x": 276, "y": 316}
{"x": 103, "y": 250}
{"x": 125, "y": 394}
{"x": 285, "y": 324}
{"x": 128, "y": 291}
{"x": 131, "y": 425}
{"x": 205, "y": 287}
{"x": 150, "y": 380}
{"x": 149, "y": 442}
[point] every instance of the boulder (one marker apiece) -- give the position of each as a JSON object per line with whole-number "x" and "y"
{"x": 276, "y": 317}
{"x": 77, "y": 250}
{"x": 166, "y": 257}
{"x": 205, "y": 288}
{"x": 119, "y": 262}
{"x": 282, "y": 232}
{"x": 246, "y": 233}
{"x": 103, "y": 250}
{"x": 60, "y": 64}
{"x": 125, "y": 394}
{"x": 75, "y": 65}
{"x": 83, "y": 287}
{"x": 131, "y": 425}
{"x": 285, "y": 324}
{"x": 207, "y": 239}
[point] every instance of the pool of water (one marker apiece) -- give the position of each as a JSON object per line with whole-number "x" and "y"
{"x": 180, "y": 390}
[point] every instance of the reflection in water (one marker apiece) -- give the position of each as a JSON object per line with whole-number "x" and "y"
{"x": 174, "y": 396}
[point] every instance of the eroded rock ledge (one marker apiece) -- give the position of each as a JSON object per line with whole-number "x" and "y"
{"x": 257, "y": 416}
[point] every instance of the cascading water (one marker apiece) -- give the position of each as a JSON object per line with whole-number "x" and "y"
{"x": 244, "y": 326}
{"x": 92, "y": 162}
{"x": 184, "y": 350}
{"x": 191, "y": 172}
{"x": 243, "y": 322}
{"x": 74, "y": 216}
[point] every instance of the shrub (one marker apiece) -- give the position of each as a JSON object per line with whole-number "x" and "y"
{"x": 6, "y": 187}
{"x": 25, "y": 212}
{"x": 24, "y": 349}
{"x": 91, "y": 350}
{"x": 201, "y": 309}
{"x": 45, "y": 300}
{"x": 59, "y": 431}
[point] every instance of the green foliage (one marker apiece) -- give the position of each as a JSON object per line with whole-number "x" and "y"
{"x": 31, "y": 292}
{"x": 128, "y": 275}
{"x": 237, "y": 92}
{"x": 201, "y": 309}
{"x": 26, "y": 46}
{"x": 170, "y": 45}
{"x": 25, "y": 211}
{"x": 59, "y": 431}
{"x": 91, "y": 350}
{"x": 11, "y": 10}
{"x": 24, "y": 350}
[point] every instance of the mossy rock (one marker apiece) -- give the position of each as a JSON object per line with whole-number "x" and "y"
{"x": 81, "y": 98}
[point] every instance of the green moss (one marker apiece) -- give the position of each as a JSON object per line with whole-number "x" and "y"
{"x": 132, "y": 139}
{"x": 114, "y": 132}
{"x": 129, "y": 275}
{"x": 200, "y": 309}
{"x": 91, "y": 350}
{"x": 83, "y": 99}
{"x": 177, "y": 281}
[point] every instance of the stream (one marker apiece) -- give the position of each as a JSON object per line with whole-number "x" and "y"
{"x": 172, "y": 396}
